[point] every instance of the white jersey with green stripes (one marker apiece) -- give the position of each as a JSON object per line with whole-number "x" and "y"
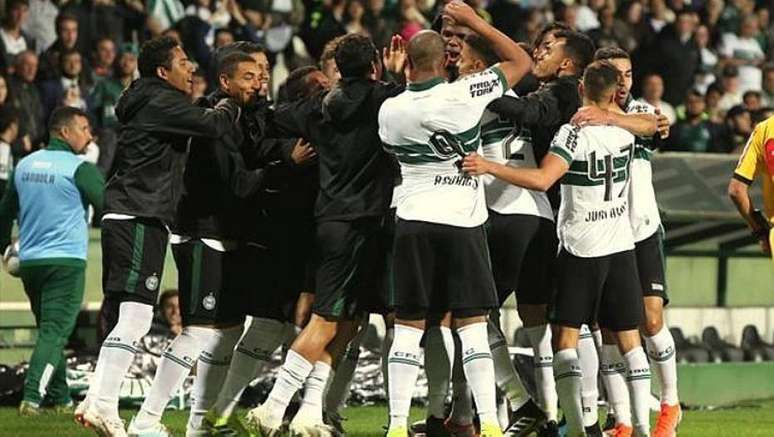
{"x": 643, "y": 209}
{"x": 594, "y": 214}
{"x": 504, "y": 143}
{"x": 419, "y": 126}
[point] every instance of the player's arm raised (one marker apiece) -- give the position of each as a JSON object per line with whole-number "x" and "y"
{"x": 515, "y": 64}
{"x": 551, "y": 169}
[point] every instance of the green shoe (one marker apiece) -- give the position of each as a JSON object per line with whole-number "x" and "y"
{"x": 66, "y": 408}
{"x": 398, "y": 432}
{"x": 28, "y": 409}
{"x": 225, "y": 425}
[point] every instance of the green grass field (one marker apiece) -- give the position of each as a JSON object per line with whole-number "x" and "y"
{"x": 753, "y": 419}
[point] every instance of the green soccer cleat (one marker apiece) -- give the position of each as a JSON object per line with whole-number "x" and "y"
{"x": 28, "y": 409}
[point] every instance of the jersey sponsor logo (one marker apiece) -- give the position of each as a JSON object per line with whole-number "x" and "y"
{"x": 42, "y": 164}
{"x": 461, "y": 180}
{"x": 209, "y": 302}
{"x": 768, "y": 148}
{"x": 478, "y": 89}
{"x": 572, "y": 139}
{"x": 38, "y": 178}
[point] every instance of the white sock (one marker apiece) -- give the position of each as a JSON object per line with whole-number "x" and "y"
{"x": 176, "y": 363}
{"x": 254, "y": 351}
{"x": 117, "y": 354}
{"x": 403, "y": 371}
{"x": 479, "y": 370}
{"x": 613, "y": 370}
{"x": 389, "y": 336}
{"x": 290, "y": 379}
{"x": 462, "y": 398}
{"x": 341, "y": 382}
{"x": 540, "y": 339}
{"x": 505, "y": 374}
{"x": 568, "y": 384}
{"x": 589, "y": 361}
{"x": 314, "y": 388}
{"x": 661, "y": 348}
{"x": 439, "y": 359}
{"x": 638, "y": 379}
{"x": 211, "y": 369}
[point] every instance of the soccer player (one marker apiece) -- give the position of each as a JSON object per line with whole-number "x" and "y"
{"x": 213, "y": 277}
{"x": 441, "y": 261}
{"x": 521, "y": 236}
{"x": 140, "y": 198}
{"x": 49, "y": 191}
{"x": 649, "y": 127}
{"x": 355, "y": 190}
{"x": 597, "y": 269}
{"x": 756, "y": 162}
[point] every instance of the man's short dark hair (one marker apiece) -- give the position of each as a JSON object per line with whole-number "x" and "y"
{"x": 751, "y": 93}
{"x": 229, "y": 64}
{"x": 556, "y": 26}
{"x": 61, "y": 18}
{"x": 154, "y": 54}
{"x": 599, "y": 78}
{"x": 167, "y": 294}
{"x": 13, "y": 4}
{"x": 608, "y": 53}
{"x": 295, "y": 85}
{"x": 482, "y": 48}
{"x": 247, "y": 47}
{"x": 694, "y": 92}
{"x": 578, "y": 47}
{"x": 66, "y": 53}
{"x": 354, "y": 55}
{"x": 63, "y": 116}
{"x": 8, "y": 116}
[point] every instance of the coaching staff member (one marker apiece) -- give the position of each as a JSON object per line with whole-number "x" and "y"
{"x": 157, "y": 121}
{"x": 49, "y": 191}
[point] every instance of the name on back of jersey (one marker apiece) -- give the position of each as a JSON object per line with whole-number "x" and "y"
{"x": 596, "y": 215}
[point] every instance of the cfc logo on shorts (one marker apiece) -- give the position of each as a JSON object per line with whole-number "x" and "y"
{"x": 209, "y": 302}
{"x": 152, "y": 282}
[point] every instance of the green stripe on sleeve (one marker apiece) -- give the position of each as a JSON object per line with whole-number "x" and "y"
{"x": 561, "y": 153}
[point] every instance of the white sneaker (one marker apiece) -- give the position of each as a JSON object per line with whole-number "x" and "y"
{"x": 157, "y": 430}
{"x": 259, "y": 422}
{"x": 80, "y": 410}
{"x": 104, "y": 426}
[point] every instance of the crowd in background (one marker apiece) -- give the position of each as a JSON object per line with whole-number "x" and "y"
{"x": 707, "y": 64}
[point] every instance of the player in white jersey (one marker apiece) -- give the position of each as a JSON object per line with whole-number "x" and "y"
{"x": 648, "y": 234}
{"x": 597, "y": 270}
{"x": 441, "y": 259}
{"x": 521, "y": 237}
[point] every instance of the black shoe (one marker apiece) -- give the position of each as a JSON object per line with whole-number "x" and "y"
{"x": 525, "y": 420}
{"x": 594, "y": 431}
{"x": 609, "y": 423}
{"x": 434, "y": 427}
{"x": 550, "y": 429}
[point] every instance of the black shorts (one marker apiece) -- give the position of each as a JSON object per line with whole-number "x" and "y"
{"x": 211, "y": 284}
{"x": 133, "y": 253}
{"x": 651, "y": 266}
{"x": 440, "y": 268}
{"x": 350, "y": 268}
{"x": 603, "y": 288}
{"x": 522, "y": 247}
{"x": 271, "y": 293}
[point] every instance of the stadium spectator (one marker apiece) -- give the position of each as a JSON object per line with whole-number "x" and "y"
{"x": 738, "y": 129}
{"x": 744, "y": 51}
{"x": 731, "y": 89}
{"x": 611, "y": 31}
{"x": 104, "y": 60}
{"x": 41, "y": 23}
{"x": 67, "y": 88}
{"x": 67, "y": 39}
{"x": 678, "y": 56}
{"x": 13, "y": 40}
{"x": 752, "y": 100}
{"x": 105, "y": 94}
{"x": 712, "y": 101}
{"x": 379, "y": 23}
{"x": 696, "y": 132}
{"x": 165, "y": 12}
{"x": 26, "y": 99}
{"x": 768, "y": 84}
{"x": 709, "y": 59}
{"x": 652, "y": 91}
{"x": 356, "y": 13}
{"x": 9, "y": 130}
{"x": 167, "y": 320}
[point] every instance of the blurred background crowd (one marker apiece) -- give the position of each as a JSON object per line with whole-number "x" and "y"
{"x": 707, "y": 64}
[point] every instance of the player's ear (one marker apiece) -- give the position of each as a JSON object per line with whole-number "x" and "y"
{"x": 223, "y": 81}
{"x": 161, "y": 72}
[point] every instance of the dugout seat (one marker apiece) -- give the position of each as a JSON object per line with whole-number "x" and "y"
{"x": 687, "y": 351}
{"x": 755, "y": 349}
{"x": 720, "y": 349}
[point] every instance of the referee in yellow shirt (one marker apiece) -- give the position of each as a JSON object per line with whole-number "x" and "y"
{"x": 756, "y": 162}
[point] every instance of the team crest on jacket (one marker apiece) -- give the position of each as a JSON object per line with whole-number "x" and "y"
{"x": 209, "y": 302}
{"x": 152, "y": 282}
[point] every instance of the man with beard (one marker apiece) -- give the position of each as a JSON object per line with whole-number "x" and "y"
{"x": 140, "y": 199}
{"x": 214, "y": 271}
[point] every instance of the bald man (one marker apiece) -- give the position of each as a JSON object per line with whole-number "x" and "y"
{"x": 441, "y": 265}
